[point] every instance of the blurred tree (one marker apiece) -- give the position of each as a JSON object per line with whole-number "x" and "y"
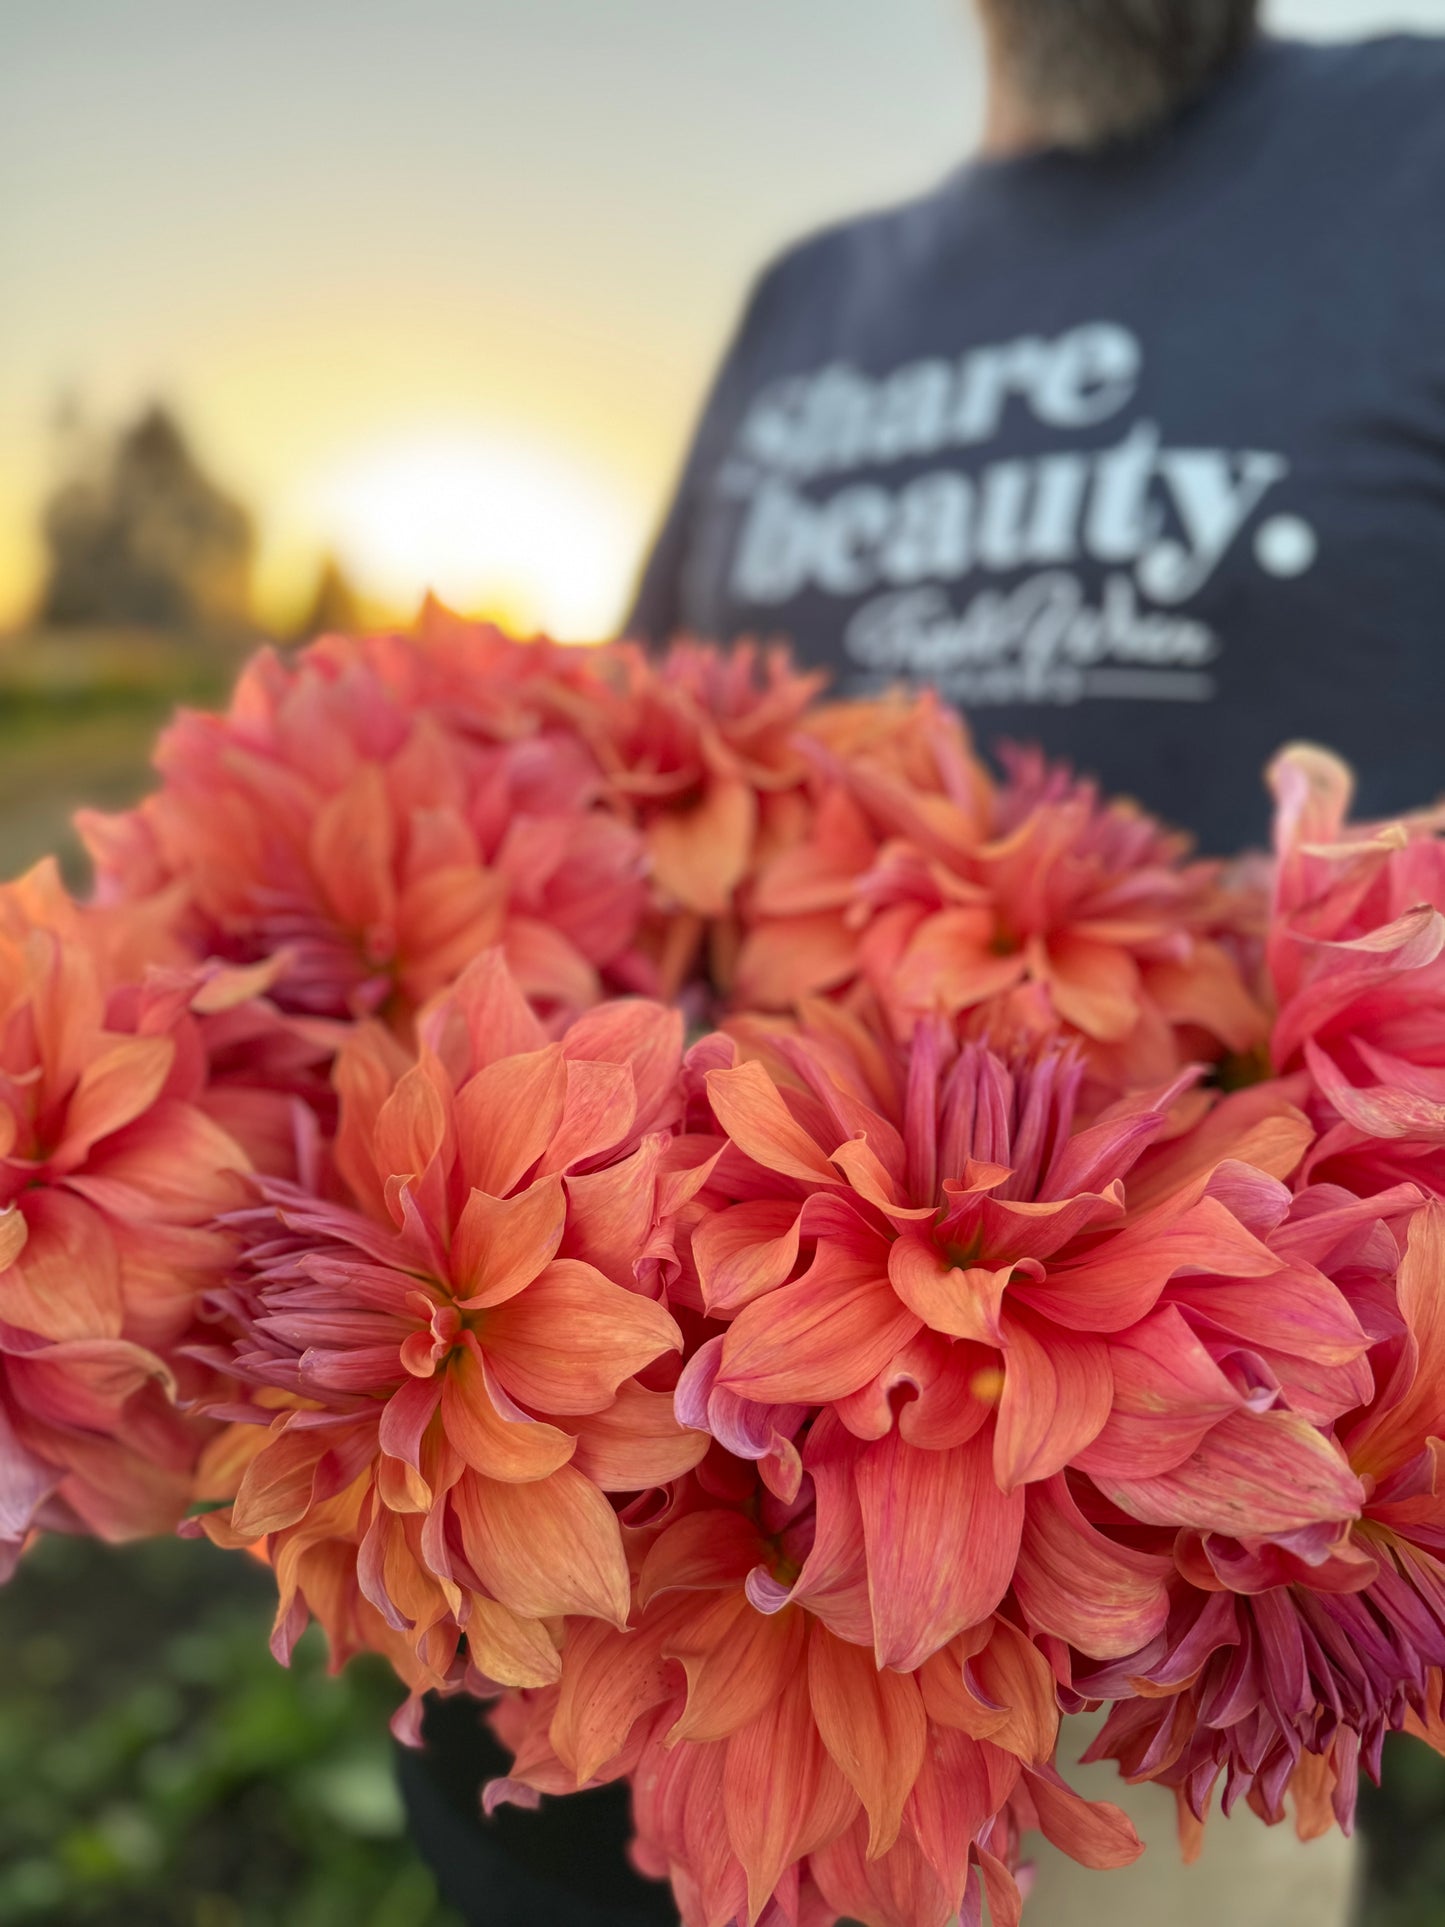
{"x": 140, "y": 534}
{"x": 334, "y": 608}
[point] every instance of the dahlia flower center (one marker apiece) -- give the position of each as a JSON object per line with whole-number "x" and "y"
{"x": 444, "y": 1328}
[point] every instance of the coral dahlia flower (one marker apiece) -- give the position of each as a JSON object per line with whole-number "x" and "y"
{"x": 112, "y": 1178}
{"x": 1032, "y": 902}
{"x": 376, "y": 843}
{"x": 1288, "y": 1663}
{"x": 701, "y": 754}
{"x": 1357, "y": 958}
{"x": 442, "y": 1359}
{"x": 773, "y": 1765}
{"x": 934, "y": 1294}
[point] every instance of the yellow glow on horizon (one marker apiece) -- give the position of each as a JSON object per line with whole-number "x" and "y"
{"x": 507, "y": 527}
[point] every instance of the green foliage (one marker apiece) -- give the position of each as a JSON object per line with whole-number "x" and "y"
{"x": 158, "y": 1769}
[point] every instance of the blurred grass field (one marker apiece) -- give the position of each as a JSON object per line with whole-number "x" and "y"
{"x": 157, "y": 1768}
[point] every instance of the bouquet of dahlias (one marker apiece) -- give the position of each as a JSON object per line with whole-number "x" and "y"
{"x": 773, "y": 1257}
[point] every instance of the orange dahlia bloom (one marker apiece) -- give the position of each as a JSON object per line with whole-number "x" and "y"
{"x": 933, "y": 1293}
{"x": 1284, "y": 1664}
{"x": 112, "y": 1178}
{"x": 1357, "y": 958}
{"x": 356, "y": 816}
{"x": 700, "y": 749}
{"x": 773, "y": 1764}
{"x": 1028, "y": 903}
{"x": 443, "y": 1359}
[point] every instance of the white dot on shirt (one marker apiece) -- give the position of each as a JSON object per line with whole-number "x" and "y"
{"x": 1286, "y": 545}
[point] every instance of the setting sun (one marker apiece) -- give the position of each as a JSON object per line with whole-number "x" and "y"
{"x": 511, "y": 529}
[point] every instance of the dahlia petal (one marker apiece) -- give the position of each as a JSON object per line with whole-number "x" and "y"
{"x": 509, "y": 1447}
{"x": 1256, "y": 1474}
{"x": 277, "y": 1488}
{"x": 548, "y": 1548}
{"x": 507, "y": 1115}
{"x": 410, "y": 1126}
{"x": 738, "y": 1663}
{"x": 792, "y": 957}
{"x": 872, "y": 1180}
{"x": 1259, "y": 1127}
{"x": 597, "y": 1114}
{"x": 1380, "y": 1110}
{"x": 352, "y": 849}
{"x": 609, "y": 1681}
{"x": 1107, "y": 1599}
{"x": 647, "y": 1038}
{"x": 25, "y": 1484}
{"x": 899, "y": 1889}
{"x": 501, "y": 1244}
{"x": 1021, "y": 1228}
{"x": 769, "y": 1784}
{"x": 961, "y": 1787}
{"x": 751, "y": 1110}
{"x": 568, "y": 1341}
{"x": 13, "y": 1233}
{"x": 940, "y": 1377}
{"x": 508, "y": 1647}
{"x": 1207, "y": 990}
{"x": 612, "y": 1212}
{"x": 745, "y": 1251}
{"x": 1168, "y": 1392}
{"x": 949, "y": 964}
{"x": 499, "y": 1021}
{"x": 1092, "y": 1832}
{"x": 85, "y": 1381}
{"x": 941, "y": 1543}
{"x": 1094, "y": 986}
{"x": 1011, "y": 1673}
{"x": 1005, "y": 1898}
{"x": 1057, "y": 1391}
{"x": 1298, "y": 1312}
{"x": 700, "y": 855}
{"x": 448, "y": 915}
{"x": 818, "y": 1338}
{"x": 114, "y": 1089}
{"x": 1115, "y": 1288}
{"x": 702, "y": 1552}
{"x": 173, "y": 1161}
{"x": 67, "y": 1281}
{"x": 960, "y": 1301}
{"x": 406, "y": 1416}
{"x": 833, "y": 1580}
{"x": 547, "y": 965}
{"x": 874, "y": 1726}
{"x": 367, "y": 1068}
{"x": 1361, "y": 965}
{"x": 1005, "y": 1693}
{"x": 1312, "y": 789}
{"x": 1411, "y": 1408}
{"x": 636, "y": 1442}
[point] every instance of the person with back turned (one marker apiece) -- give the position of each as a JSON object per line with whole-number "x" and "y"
{"x": 1130, "y": 436}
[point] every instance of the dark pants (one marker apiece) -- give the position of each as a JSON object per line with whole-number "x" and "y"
{"x": 565, "y": 1865}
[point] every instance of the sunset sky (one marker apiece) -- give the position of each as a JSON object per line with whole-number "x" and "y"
{"x": 438, "y": 285}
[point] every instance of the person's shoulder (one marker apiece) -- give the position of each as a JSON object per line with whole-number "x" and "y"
{"x": 1395, "y": 80}
{"x": 825, "y": 263}
{"x": 1370, "y": 115}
